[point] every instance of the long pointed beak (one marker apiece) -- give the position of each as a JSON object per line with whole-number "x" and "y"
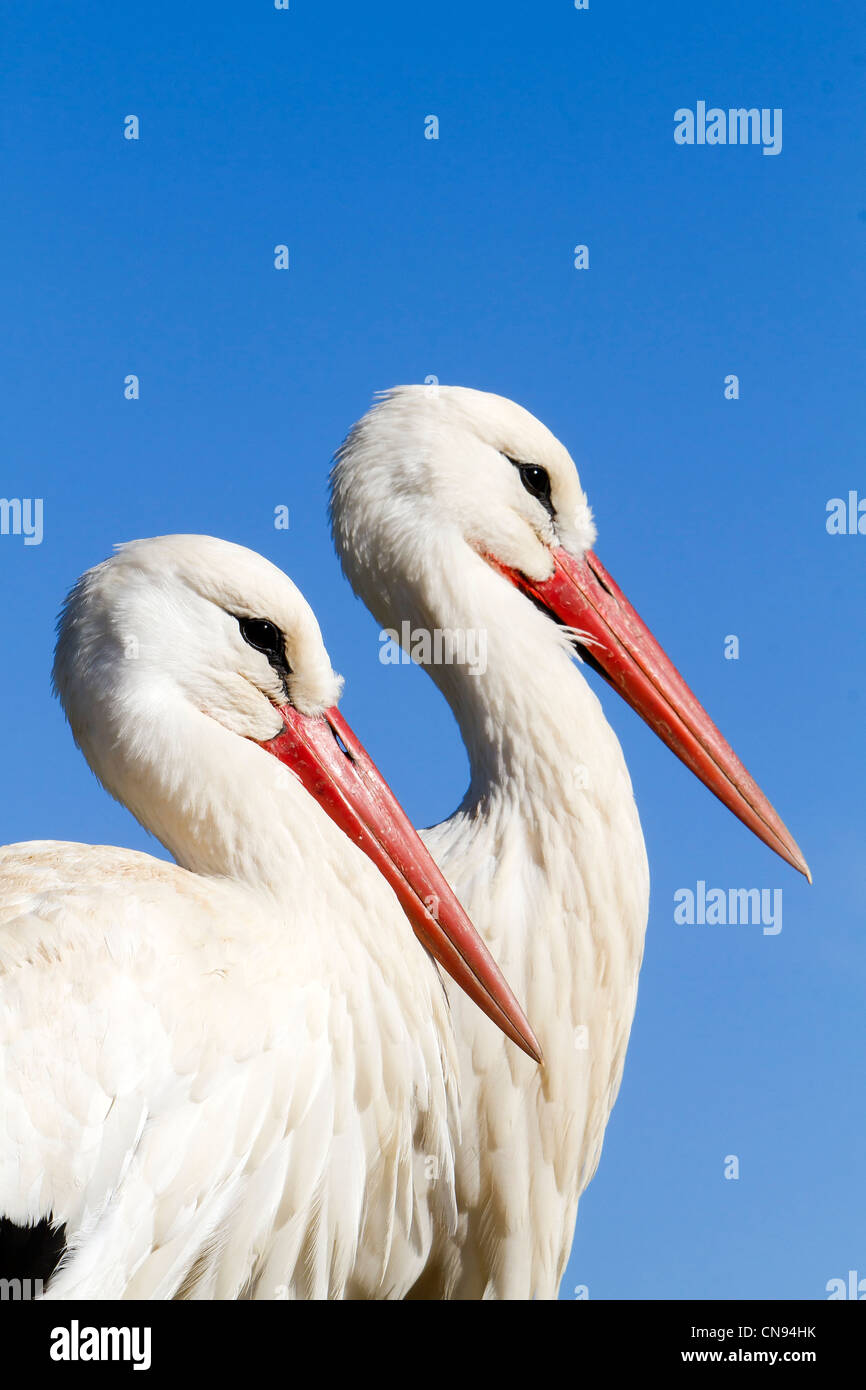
{"x": 581, "y": 594}
{"x": 330, "y": 762}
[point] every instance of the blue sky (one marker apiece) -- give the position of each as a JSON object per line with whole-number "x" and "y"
{"x": 412, "y": 257}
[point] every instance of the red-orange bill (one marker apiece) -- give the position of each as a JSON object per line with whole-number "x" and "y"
{"x": 324, "y": 754}
{"x": 581, "y": 594}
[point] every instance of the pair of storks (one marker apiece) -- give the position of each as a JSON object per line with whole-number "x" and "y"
{"x": 239, "y": 1075}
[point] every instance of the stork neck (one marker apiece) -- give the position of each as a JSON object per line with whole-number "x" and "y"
{"x": 220, "y": 804}
{"x": 524, "y": 708}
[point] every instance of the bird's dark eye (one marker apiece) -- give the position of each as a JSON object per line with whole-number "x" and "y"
{"x": 262, "y": 635}
{"x": 536, "y": 480}
{"x": 267, "y": 638}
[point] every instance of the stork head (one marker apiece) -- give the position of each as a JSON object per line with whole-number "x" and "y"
{"x": 194, "y": 619}
{"x": 190, "y": 652}
{"x": 466, "y": 468}
{"x": 452, "y": 462}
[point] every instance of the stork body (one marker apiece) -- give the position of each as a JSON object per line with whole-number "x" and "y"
{"x": 188, "y": 1088}
{"x": 232, "y": 1076}
{"x": 458, "y": 511}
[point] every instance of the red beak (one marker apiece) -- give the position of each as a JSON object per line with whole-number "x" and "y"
{"x": 326, "y": 757}
{"x": 581, "y": 594}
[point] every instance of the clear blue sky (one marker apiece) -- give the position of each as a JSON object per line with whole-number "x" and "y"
{"x": 412, "y": 257}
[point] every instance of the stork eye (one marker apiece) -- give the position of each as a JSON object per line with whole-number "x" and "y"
{"x": 536, "y": 480}
{"x": 262, "y": 635}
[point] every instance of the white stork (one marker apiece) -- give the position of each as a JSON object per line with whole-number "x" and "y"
{"x": 458, "y": 511}
{"x": 232, "y": 1076}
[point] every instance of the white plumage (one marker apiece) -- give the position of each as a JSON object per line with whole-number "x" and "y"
{"x": 448, "y": 506}
{"x": 232, "y": 1076}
